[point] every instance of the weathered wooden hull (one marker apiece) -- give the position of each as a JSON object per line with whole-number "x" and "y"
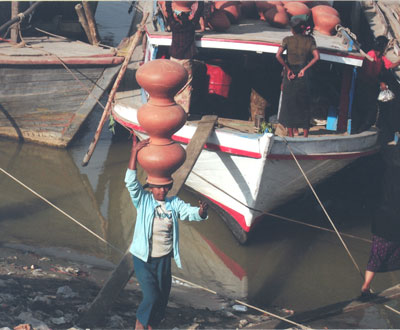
{"x": 46, "y": 104}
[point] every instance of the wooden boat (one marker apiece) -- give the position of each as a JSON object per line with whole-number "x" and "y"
{"x": 50, "y": 85}
{"x": 243, "y": 173}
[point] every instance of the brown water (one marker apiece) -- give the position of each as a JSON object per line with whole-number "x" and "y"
{"x": 284, "y": 264}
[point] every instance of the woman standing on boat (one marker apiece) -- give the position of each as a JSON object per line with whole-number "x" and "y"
{"x": 302, "y": 54}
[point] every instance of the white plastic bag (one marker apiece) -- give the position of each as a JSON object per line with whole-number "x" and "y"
{"x": 386, "y": 95}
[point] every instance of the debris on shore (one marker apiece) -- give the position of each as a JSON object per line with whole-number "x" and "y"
{"x": 42, "y": 292}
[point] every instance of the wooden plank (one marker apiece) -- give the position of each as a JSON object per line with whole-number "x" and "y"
{"x": 204, "y": 128}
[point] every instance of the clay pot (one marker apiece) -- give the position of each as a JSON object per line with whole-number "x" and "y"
{"x": 277, "y": 17}
{"x": 219, "y": 21}
{"x": 163, "y": 8}
{"x": 325, "y": 23}
{"x": 161, "y": 117}
{"x": 160, "y": 161}
{"x": 296, "y": 8}
{"x": 182, "y": 5}
{"x": 248, "y": 9}
{"x": 160, "y": 123}
{"x": 162, "y": 79}
{"x": 231, "y": 8}
{"x": 325, "y": 9}
{"x": 263, "y": 6}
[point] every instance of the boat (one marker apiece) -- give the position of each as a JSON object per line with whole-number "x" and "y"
{"x": 50, "y": 84}
{"x": 242, "y": 172}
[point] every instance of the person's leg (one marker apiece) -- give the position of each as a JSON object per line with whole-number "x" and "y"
{"x": 290, "y": 131}
{"x": 369, "y": 275}
{"x": 145, "y": 273}
{"x": 305, "y": 132}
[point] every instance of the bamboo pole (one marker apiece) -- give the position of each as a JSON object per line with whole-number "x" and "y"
{"x": 82, "y": 19}
{"x": 15, "y": 27}
{"x": 107, "y": 109}
{"x": 91, "y": 22}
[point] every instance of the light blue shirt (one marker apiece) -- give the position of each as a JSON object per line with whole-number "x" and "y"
{"x": 145, "y": 205}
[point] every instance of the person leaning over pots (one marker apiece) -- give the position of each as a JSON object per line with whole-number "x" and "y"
{"x": 183, "y": 49}
{"x": 155, "y": 240}
{"x": 302, "y": 54}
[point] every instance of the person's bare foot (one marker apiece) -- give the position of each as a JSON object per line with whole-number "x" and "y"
{"x": 138, "y": 325}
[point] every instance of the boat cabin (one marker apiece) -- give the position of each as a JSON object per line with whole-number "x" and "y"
{"x": 237, "y": 76}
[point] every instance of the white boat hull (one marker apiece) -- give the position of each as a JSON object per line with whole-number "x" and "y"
{"x": 247, "y": 175}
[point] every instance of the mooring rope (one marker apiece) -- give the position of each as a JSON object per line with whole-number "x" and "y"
{"x": 330, "y": 220}
{"x": 276, "y": 215}
{"x": 123, "y": 253}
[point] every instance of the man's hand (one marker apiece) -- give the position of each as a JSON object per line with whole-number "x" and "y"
{"x": 136, "y": 146}
{"x": 203, "y": 211}
{"x": 290, "y": 75}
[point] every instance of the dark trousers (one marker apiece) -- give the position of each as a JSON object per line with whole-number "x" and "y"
{"x": 155, "y": 279}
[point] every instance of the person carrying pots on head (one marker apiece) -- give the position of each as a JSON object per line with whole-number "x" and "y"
{"x": 155, "y": 240}
{"x": 302, "y": 54}
{"x": 370, "y": 82}
{"x": 183, "y": 23}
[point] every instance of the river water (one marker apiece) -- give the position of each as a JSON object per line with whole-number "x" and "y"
{"x": 284, "y": 264}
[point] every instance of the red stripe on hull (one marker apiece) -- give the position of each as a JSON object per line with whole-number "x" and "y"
{"x": 234, "y": 214}
{"x": 235, "y": 268}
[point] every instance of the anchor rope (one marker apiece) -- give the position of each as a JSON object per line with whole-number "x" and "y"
{"x": 276, "y": 215}
{"x": 330, "y": 220}
{"x": 123, "y": 253}
{"x": 323, "y": 208}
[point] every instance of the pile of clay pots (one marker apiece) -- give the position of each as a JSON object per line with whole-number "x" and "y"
{"x": 275, "y": 13}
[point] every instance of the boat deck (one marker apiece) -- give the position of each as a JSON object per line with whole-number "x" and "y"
{"x": 259, "y": 36}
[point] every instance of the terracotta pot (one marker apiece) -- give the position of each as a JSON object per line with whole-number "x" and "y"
{"x": 325, "y": 9}
{"x": 161, "y": 122}
{"x": 219, "y": 21}
{"x": 277, "y": 17}
{"x": 248, "y": 9}
{"x": 325, "y": 23}
{"x": 163, "y": 8}
{"x": 182, "y": 5}
{"x": 263, "y": 6}
{"x": 231, "y": 8}
{"x": 162, "y": 79}
{"x": 160, "y": 162}
{"x": 296, "y": 8}
{"x": 161, "y": 117}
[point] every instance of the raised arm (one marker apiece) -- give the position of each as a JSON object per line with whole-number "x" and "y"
{"x": 134, "y": 151}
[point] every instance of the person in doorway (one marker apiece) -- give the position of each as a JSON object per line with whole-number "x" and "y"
{"x": 183, "y": 49}
{"x": 370, "y": 82}
{"x": 155, "y": 240}
{"x": 385, "y": 248}
{"x": 302, "y": 54}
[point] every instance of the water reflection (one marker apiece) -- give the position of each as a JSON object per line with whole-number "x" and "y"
{"x": 282, "y": 265}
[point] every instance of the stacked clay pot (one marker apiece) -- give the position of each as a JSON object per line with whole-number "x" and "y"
{"x": 231, "y": 9}
{"x": 325, "y": 19}
{"x": 182, "y": 5}
{"x": 277, "y": 16}
{"x": 294, "y": 8}
{"x": 219, "y": 21}
{"x": 161, "y": 117}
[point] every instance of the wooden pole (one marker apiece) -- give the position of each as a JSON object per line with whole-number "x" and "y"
{"x": 15, "y": 27}
{"x": 107, "y": 109}
{"x": 82, "y": 19}
{"x": 20, "y": 17}
{"x": 91, "y": 22}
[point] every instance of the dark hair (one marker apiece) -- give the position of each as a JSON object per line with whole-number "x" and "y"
{"x": 150, "y": 185}
{"x": 298, "y": 23}
{"x": 381, "y": 43}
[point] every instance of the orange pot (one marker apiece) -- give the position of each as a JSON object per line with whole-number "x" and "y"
{"x": 296, "y": 8}
{"x": 231, "y": 8}
{"x": 277, "y": 17}
{"x": 325, "y": 10}
{"x": 325, "y": 23}
{"x": 219, "y": 21}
